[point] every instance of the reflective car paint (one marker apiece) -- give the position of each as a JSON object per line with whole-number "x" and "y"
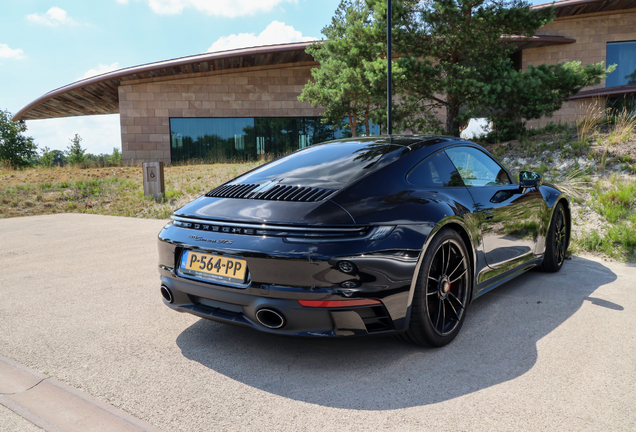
{"x": 282, "y": 271}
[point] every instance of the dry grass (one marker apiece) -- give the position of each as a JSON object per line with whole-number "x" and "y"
{"x": 624, "y": 124}
{"x": 111, "y": 191}
{"x": 592, "y": 117}
{"x": 575, "y": 183}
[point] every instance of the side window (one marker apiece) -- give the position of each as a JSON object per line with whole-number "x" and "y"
{"x": 477, "y": 168}
{"x": 436, "y": 171}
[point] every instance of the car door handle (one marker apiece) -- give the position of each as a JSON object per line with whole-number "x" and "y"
{"x": 488, "y": 215}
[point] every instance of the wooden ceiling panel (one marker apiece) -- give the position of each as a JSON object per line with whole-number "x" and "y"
{"x": 568, "y": 8}
{"x": 100, "y": 94}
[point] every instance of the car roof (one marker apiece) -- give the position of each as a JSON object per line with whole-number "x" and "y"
{"x": 398, "y": 140}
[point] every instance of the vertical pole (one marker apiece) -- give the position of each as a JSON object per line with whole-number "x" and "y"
{"x": 389, "y": 58}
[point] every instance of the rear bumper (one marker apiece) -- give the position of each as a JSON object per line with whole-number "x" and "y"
{"x": 281, "y": 273}
{"x": 240, "y": 308}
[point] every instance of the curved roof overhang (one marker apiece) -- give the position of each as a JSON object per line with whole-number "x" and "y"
{"x": 569, "y": 8}
{"x": 537, "y": 41}
{"x": 100, "y": 94}
{"x": 629, "y": 89}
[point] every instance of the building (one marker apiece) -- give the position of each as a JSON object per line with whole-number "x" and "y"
{"x": 601, "y": 30}
{"x": 244, "y": 103}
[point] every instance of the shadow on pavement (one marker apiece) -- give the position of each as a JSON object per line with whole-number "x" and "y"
{"x": 498, "y": 343}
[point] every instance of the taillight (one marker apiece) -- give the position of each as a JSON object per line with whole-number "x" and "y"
{"x": 339, "y": 303}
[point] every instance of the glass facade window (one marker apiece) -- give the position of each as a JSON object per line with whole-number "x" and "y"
{"x": 225, "y": 139}
{"x": 620, "y": 104}
{"x": 623, "y": 55}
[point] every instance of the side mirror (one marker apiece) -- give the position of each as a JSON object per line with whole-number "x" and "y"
{"x": 529, "y": 179}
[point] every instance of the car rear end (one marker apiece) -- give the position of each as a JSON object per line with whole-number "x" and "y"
{"x": 271, "y": 250}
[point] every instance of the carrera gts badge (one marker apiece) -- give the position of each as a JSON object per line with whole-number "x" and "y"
{"x": 203, "y": 239}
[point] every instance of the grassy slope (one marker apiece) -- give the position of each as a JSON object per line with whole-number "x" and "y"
{"x": 598, "y": 172}
{"x": 111, "y": 191}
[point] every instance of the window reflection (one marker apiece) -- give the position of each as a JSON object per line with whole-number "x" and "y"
{"x": 342, "y": 163}
{"x": 622, "y": 54}
{"x": 476, "y": 167}
{"x": 436, "y": 171}
{"x": 220, "y": 139}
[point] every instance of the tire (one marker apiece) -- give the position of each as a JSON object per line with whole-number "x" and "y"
{"x": 556, "y": 242}
{"x": 441, "y": 292}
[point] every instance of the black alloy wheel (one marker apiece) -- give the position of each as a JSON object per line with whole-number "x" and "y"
{"x": 556, "y": 241}
{"x": 442, "y": 292}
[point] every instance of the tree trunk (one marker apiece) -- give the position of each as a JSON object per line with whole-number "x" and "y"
{"x": 366, "y": 123}
{"x": 353, "y": 123}
{"x": 452, "y": 121}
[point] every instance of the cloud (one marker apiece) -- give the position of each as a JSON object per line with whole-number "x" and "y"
{"x": 275, "y": 33}
{"x": 8, "y": 53}
{"x": 100, "y": 69}
{"x": 53, "y": 18}
{"x": 99, "y": 133}
{"x": 122, "y": 1}
{"x": 221, "y": 8}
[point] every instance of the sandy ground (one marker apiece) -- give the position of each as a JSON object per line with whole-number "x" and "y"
{"x": 80, "y": 301}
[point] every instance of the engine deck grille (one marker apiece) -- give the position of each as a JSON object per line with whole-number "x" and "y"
{"x": 232, "y": 191}
{"x": 275, "y": 193}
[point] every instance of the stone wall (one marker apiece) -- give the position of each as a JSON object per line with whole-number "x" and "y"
{"x": 146, "y": 106}
{"x": 592, "y": 32}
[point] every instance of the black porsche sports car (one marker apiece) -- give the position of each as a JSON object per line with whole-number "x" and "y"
{"x": 361, "y": 236}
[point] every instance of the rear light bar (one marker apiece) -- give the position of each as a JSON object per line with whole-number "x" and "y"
{"x": 339, "y": 303}
{"x": 290, "y": 234}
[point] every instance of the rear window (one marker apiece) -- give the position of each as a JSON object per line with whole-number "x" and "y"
{"x": 436, "y": 171}
{"x": 342, "y": 163}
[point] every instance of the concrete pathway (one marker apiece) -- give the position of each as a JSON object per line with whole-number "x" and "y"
{"x": 53, "y": 405}
{"x": 80, "y": 303}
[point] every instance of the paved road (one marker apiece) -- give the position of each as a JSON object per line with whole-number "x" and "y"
{"x": 79, "y": 300}
{"x": 12, "y": 422}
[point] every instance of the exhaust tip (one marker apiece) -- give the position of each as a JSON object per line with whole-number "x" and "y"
{"x": 270, "y": 318}
{"x": 166, "y": 294}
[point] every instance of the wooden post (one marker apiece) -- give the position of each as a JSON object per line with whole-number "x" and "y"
{"x": 153, "y": 180}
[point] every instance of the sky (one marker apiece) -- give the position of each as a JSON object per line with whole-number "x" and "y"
{"x": 47, "y": 44}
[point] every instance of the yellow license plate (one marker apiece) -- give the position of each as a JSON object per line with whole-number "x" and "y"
{"x": 213, "y": 267}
